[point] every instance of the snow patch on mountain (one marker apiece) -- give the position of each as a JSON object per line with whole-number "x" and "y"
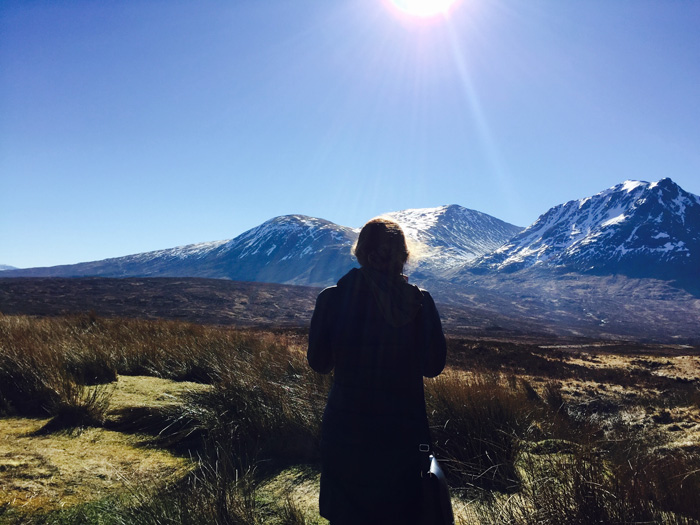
{"x": 196, "y": 251}
{"x": 631, "y": 185}
{"x": 417, "y": 221}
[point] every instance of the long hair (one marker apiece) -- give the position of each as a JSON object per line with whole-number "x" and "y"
{"x": 382, "y": 246}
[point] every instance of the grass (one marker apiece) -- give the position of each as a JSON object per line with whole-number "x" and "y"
{"x": 47, "y": 471}
{"x": 477, "y": 419}
{"x": 525, "y": 435}
{"x": 583, "y": 486}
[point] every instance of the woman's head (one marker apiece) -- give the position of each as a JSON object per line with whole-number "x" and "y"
{"x": 382, "y": 246}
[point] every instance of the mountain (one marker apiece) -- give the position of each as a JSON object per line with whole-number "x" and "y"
{"x": 638, "y": 229}
{"x": 301, "y": 250}
{"x": 4, "y": 267}
{"x": 292, "y": 249}
{"x": 447, "y": 237}
{"x": 622, "y": 263}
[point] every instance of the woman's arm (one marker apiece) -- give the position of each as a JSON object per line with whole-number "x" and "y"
{"x": 435, "y": 347}
{"x": 319, "y": 353}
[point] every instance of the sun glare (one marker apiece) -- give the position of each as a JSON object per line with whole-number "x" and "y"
{"x": 423, "y": 8}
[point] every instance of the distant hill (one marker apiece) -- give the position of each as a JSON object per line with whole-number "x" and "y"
{"x": 4, "y": 267}
{"x": 206, "y": 301}
{"x": 521, "y": 305}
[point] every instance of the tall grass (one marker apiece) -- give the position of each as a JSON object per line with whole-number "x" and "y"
{"x": 264, "y": 402}
{"x": 528, "y": 455}
{"x": 477, "y": 420}
{"x": 43, "y": 372}
{"x": 584, "y": 486}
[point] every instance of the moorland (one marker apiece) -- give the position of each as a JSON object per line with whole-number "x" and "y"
{"x": 128, "y": 416}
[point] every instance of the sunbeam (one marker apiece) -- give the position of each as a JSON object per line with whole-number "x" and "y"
{"x": 491, "y": 150}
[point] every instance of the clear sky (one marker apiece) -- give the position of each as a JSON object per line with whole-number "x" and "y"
{"x": 134, "y": 125}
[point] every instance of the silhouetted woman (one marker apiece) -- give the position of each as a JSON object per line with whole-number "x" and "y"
{"x": 381, "y": 335}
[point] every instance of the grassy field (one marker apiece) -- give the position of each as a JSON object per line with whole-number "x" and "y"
{"x": 118, "y": 421}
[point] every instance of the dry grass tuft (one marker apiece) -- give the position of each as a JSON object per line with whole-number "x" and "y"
{"x": 476, "y": 420}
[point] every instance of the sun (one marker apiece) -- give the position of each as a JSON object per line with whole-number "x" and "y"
{"x": 423, "y": 8}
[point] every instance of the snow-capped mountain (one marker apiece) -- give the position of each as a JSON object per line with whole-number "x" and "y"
{"x": 639, "y": 229}
{"x": 296, "y": 249}
{"x": 447, "y": 237}
{"x": 292, "y": 249}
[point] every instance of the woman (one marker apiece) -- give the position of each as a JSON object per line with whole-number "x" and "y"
{"x": 381, "y": 336}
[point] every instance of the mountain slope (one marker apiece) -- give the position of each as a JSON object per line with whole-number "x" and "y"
{"x": 638, "y": 229}
{"x": 447, "y": 237}
{"x": 174, "y": 262}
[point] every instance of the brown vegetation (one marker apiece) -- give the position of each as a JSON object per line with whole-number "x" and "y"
{"x": 592, "y": 434}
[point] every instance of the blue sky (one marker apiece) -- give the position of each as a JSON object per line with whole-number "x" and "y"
{"x": 129, "y": 126}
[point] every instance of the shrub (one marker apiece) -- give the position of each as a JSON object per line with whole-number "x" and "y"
{"x": 79, "y": 407}
{"x": 42, "y": 374}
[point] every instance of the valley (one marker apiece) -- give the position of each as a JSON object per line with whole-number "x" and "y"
{"x": 524, "y": 305}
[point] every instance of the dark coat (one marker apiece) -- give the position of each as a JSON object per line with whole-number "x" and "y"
{"x": 381, "y": 336}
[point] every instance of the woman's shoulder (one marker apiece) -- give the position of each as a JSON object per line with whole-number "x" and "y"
{"x": 347, "y": 281}
{"x": 425, "y": 293}
{"x": 327, "y": 294}
{"x": 428, "y": 301}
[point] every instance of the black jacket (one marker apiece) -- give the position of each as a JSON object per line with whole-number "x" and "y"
{"x": 380, "y": 336}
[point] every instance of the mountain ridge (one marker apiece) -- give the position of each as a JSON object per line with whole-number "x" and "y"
{"x": 302, "y": 250}
{"x": 635, "y": 228}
